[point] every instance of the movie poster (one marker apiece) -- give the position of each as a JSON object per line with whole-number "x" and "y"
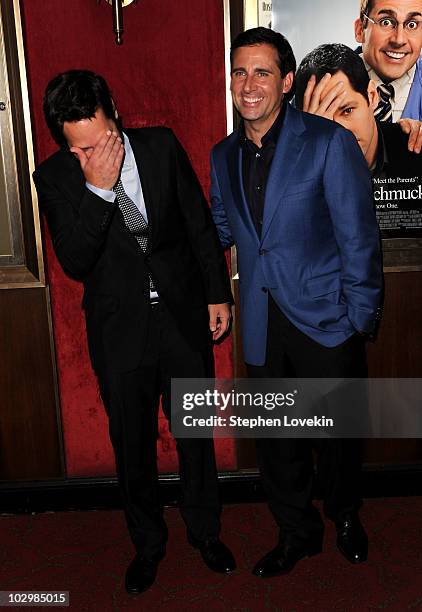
{"x": 397, "y": 174}
{"x": 398, "y": 203}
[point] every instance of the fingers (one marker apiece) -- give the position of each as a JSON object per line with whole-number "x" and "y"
{"x": 413, "y": 134}
{"x": 405, "y": 125}
{"x": 223, "y": 324}
{"x": 321, "y": 100}
{"x": 103, "y": 166}
{"x": 112, "y": 146}
{"x": 307, "y": 96}
{"x": 104, "y": 143}
{"x": 213, "y": 320}
{"x": 414, "y": 129}
{"x": 108, "y": 146}
{"x": 332, "y": 102}
{"x": 220, "y": 316}
{"x": 317, "y": 93}
{"x": 115, "y": 150}
{"x": 417, "y": 147}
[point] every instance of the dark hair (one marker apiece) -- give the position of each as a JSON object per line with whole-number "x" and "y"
{"x": 332, "y": 58}
{"x": 75, "y": 95}
{"x": 259, "y": 36}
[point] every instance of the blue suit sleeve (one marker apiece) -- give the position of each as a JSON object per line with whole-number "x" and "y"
{"x": 348, "y": 192}
{"x": 218, "y": 210}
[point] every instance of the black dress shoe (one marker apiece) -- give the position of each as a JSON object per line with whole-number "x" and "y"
{"x": 217, "y": 556}
{"x": 352, "y": 540}
{"x": 283, "y": 558}
{"x": 141, "y": 573}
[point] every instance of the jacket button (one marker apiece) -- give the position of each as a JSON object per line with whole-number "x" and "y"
{"x": 264, "y": 289}
{"x": 262, "y": 251}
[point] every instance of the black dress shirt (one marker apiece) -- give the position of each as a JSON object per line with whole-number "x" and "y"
{"x": 256, "y": 165}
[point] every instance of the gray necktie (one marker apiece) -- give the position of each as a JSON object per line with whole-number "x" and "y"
{"x": 134, "y": 220}
{"x": 384, "y": 110}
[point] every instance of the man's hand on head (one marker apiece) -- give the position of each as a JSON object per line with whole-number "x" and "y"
{"x": 101, "y": 164}
{"x": 220, "y": 316}
{"x": 319, "y": 99}
{"x": 413, "y": 127}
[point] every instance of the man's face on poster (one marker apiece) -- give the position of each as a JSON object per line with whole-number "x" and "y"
{"x": 391, "y": 53}
{"x": 356, "y": 113}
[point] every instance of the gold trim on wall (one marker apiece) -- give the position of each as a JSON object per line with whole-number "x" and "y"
{"x": 23, "y": 266}
{"x": 227, "y": 42}
{"x": 250, "y": 9}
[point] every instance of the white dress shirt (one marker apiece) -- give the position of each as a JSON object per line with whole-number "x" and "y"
{"x": 401, "y": 88}
{"x": 131, "y": 184}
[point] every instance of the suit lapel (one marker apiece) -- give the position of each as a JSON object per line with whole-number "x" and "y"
{"x": 283, "y": 168}
{"x": 234, "y": 165}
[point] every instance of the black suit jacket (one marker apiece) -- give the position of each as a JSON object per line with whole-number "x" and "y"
{"x": 93, "y": 245}
{"x": 395, "y": 162}
{"x": 400, "y": 161}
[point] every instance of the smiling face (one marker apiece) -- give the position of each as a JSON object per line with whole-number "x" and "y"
{"x": 258, "y": 88}
{"x": 85, "y": 133}
{"x": 393, "y": 53}
{"x": 356, "y": 115}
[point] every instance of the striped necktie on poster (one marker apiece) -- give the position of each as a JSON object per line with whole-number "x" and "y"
{"x": 384, "y": 110}
{"x": 134, "y": 220}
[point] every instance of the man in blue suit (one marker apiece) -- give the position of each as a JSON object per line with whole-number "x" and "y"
{"x": 292, "y": 192}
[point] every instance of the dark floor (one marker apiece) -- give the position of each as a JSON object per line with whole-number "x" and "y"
{"x": 86, "y": 553}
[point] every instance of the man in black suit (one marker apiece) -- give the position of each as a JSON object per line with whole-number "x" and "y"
{"x": 128, "y": 218}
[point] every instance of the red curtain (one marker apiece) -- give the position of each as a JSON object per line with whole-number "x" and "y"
{"x": 169, "y": 71}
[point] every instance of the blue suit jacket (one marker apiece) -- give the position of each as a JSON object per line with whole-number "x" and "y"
{"x": 319, "y": 252}
{"x": 413, "y": 108}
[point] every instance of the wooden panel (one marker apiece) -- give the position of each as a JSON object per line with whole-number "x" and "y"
{"x": 236, "y": 18}
{"x": 30, "y": 439}
{"x": 397, "y": 353}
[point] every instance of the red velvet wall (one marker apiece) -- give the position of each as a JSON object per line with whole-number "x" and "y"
{"x": 169, "y": 71}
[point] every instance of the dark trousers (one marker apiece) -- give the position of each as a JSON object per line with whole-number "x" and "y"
{"x": 132, "y": 400}
{"x": 286, "y": 465}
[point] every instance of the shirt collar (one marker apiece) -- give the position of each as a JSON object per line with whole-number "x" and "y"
{"x": 129, "y": 159}
{"x": 405, "y": 80}
{"x": 271, "y": 136}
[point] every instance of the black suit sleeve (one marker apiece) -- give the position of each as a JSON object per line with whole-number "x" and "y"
{"x": 78, "y": 233}
{"x": 201, "y": 230}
